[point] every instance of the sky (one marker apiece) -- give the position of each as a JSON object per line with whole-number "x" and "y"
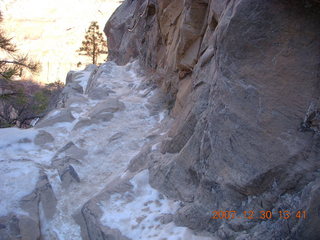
{"x": 52, "y": 31}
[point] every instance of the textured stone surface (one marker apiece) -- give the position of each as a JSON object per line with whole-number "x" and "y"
{"x": 18, "y": 227}
{"x": 110, "y": 105}
{"x": 245, "y": 79}
{"x": 27, "y": 226}
{"x": 63, "y": 160}
{"x": 69, "y": 150}
{"x": 96, "y": 119}
{"x": 72, "y": 92}
{"x": 88, "y": 217}
{"x": 68, "y": 176}
{"x": 43, "y": 138}
{"x": 140, "y": 161}
{"x": 96, "y": 89}
{"x": 63, "y": 116}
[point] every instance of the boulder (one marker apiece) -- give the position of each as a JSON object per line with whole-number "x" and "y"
{"x": 60, "y": 116}
{"x": 110, "y": 105}
{"x": 88, "y": 217}
{"x": 28, "y": 226}
{"x": 68, "y": 152}
{"x": 140, "y": 161}
{"x": 102, "y": 117}
{"x": 18, "y": 227}
{"x": 83, "y": 122}
{"x": 99, "y": 93}
{"x": 75, "y": 99}
{"x": 90, "y": 67}
{"x": 43, "y": 138}
{"x": 63, "y": 160}
{"x": 73, "y": 89}
{"x": 96, "y": 88}
{"x": 68, "y": 176}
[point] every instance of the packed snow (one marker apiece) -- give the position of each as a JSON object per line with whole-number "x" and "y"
{"x": 137, "y": 213}
{"x": 106, "y": 148}
{"x": 19, "y": 171}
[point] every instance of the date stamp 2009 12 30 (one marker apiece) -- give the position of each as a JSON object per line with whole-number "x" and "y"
{"x": 263, "y": 215}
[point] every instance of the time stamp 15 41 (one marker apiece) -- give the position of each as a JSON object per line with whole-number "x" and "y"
{"x": 263, "y": 215}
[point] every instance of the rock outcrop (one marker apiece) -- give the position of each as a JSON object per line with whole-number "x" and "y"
{"x": 39, "y": 207}
{"x": 240, "y": 79}
{"x": 244, "y": 79}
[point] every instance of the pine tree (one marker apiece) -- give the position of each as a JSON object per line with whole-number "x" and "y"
{"x": 14, "y": 63}
{"x": 94, "y": 43}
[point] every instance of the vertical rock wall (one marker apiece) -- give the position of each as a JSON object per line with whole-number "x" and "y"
{"x": 244, "y": 76}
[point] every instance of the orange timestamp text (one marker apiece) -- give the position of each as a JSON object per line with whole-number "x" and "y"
{"x": 264, "y": 215}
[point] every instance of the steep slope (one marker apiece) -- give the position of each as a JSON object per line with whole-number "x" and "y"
{"x": 244, "y": 80}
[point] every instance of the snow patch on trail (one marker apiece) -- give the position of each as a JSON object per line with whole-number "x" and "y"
{"x": 18, "y": 173}
{"x": 12, "y": 136}
{"x": 109, "y": 146}
{"x": 17, "y": 179}
{"x": 137, "y": 213}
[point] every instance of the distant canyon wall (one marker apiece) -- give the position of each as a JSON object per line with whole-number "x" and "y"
{"x": 243, "y": 76}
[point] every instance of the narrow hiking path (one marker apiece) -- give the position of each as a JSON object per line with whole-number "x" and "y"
{"x": 106, "y": 116}
{"x": 111, "y": 130}
{"x": 106, "y": 134}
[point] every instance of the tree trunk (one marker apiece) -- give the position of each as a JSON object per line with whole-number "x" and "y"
{"x": 94, "y": 55}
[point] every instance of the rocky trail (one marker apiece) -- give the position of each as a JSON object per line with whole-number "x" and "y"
{"x": 78, "y": 152}
{"x": 221, "y": 114}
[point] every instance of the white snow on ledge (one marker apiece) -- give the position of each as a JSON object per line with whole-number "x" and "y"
{"x": 18, "y": 174}
{"x": 136, "y": 213}
{"x": 25, "y": 176}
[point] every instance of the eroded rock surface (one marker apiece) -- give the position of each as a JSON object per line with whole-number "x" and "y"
{"x": 39, "y": 206}
{"x": 241, "y": 83}
{"x": 62, "y": 115}
{"x": 43, "y": 138}
{"x": 244, "y": 77}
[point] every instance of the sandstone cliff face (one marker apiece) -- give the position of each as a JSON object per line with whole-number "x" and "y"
{"x": 244, "y": 76}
